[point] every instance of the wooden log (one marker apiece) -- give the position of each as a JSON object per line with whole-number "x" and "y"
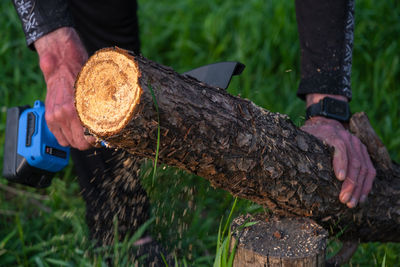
{"x": 278, "y": 242}
{"x": 236, "y": 145}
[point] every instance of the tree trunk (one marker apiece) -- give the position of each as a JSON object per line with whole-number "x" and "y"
{"x": 236, "y": 145}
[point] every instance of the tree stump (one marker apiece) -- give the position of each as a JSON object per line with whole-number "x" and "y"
{"x": 278, "y": 242}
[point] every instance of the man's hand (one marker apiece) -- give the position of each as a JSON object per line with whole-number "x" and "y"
{"x": 351, "y": 161}
{"x": 61, "y": 56}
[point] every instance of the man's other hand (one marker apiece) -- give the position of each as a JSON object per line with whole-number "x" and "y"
{"x": 61, "y": 57}
{"x": 351, "y": 161}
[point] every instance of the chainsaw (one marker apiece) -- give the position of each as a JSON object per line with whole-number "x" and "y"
{"x": 32, "y": 154}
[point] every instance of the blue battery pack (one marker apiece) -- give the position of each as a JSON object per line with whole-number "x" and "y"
{"x": 37, "y": 144}
{"x": 32, "y": 154}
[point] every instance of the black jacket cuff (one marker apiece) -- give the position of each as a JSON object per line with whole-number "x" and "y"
{"x": 40, "y": 17}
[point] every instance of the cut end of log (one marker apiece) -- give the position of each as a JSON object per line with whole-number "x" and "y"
{"x": 107, "y": 91}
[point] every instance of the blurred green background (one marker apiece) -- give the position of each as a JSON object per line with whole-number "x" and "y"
{"x": 47, "y": 227}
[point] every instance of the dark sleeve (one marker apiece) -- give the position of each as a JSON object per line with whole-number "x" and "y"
{"x": 40, "y": 17}
{"x": 326, "y": 41}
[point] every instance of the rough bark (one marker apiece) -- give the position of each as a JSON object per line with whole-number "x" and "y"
{"x": 236, "y": 145}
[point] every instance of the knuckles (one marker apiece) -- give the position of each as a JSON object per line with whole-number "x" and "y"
{"x": 356, "y": 164}
{"x": 60, "y": 113}
{"x": 372, "y": 172}
{"x": 356, "y": 141}
{"x": 363, "y": 172}
{"x": 340, "y": 145}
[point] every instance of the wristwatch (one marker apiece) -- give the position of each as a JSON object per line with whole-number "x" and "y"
{"x": 330, "y": 108}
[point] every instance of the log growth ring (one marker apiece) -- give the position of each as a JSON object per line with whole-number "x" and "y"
{"x": 107, "y": 91}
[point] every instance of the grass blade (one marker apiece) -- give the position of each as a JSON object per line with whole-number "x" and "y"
{"x": 384, "y": 261}
{"x": 158, "y": 131}
{"x": 230, "y": 216}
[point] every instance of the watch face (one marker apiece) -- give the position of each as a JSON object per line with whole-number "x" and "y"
{"x": 336, "y": 109}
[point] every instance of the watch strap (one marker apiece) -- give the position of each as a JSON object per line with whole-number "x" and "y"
{"x": 314, "y": 110}
{"x": 330, "y": 108}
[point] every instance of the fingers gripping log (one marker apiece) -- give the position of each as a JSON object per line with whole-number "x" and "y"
{"x": 236, "y": 145}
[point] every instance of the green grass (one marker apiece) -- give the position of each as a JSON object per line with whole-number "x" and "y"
{"x": 47, "y": 228}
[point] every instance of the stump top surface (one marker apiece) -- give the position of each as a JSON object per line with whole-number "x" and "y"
{"x": 280, "y": 237}
{"x": 107, "y": 90}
